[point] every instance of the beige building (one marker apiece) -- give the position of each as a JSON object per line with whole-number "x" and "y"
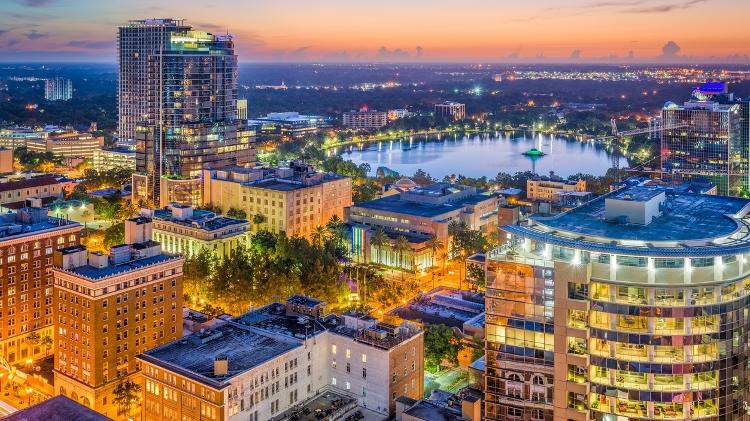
{"x": 67, "y": 144}
{"x": 365, "y": 119}
{"x": 547, "y": 188}
{"x": 108, "y": 309}
{"x": 184, "y": 230}
{"x": 6, "y": 160}
{"x": 14, "y": 191}
{"x": 294, "y": 199}
{"x": 272, "y": 359}
{"x": 28, "y": 239}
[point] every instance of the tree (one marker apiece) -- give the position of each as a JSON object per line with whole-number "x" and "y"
{"x": 126, "y": 395}
{"x": 401, "y": 246}
{"x": 441, "y": 343}
{"x": 237, "y": 213}
{"x": 32, "y": 339}
{"x": 47, "y": 343}
{"x": 337, "y": 230}
{"x": 435, "y": 245}
{"x": 378, "y": 240}
{"x": 259, "y": 219}
{"x": 475, "y": 275}
{"x": 319, "y": 236}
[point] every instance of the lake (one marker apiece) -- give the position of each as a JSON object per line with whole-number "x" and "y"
{"x": 483, "y": 155}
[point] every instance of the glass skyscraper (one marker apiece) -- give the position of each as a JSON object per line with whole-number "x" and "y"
{"x": 707, "y": 137}
{"x": 177, "y": 100}
{"x": 634, "y": 306}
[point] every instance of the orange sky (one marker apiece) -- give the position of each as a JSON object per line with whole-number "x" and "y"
{"x": 389, "y": 30}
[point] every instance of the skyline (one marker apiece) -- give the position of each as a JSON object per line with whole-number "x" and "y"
{"x": 583, "y": 31}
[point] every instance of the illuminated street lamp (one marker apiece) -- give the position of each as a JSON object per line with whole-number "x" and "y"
{"x": 28, "y": 392}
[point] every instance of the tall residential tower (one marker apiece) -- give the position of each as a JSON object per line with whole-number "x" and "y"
{"x": 177, "y": 100}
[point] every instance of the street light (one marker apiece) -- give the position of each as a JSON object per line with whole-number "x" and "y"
{"x": 28, "y": 392}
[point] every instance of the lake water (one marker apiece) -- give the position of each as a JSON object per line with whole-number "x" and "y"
{"x": 483, "y": 155}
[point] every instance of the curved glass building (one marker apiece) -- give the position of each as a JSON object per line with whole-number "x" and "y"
{"x": 632, "y": 306}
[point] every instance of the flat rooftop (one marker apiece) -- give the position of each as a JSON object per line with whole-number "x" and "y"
{"x": 273, "y": 319}
{"x": 395, "y": 204}
{"x": 426, "y": 410}
{"x": 244, "y": 348}
{"x": 94, "y": 274}
{"x": 206, "y": 220}
{"x": 689, "y": 224}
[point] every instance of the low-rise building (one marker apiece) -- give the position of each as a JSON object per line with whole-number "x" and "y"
{"x": 6, "y": 160}
{"x": 294, "y": 199}
{"x": 454, "y": 110}
{"x": 269, "y": 360}
{"x": 546, "y": 188}
{"x": 288, "y": 125}
{"x": 184, "y": 230}
{"x": 108, "y": 309}
{"x": 58, "y": 408}
{"x": 42, "y": 187}
{"x": 105, "y": 159}
{"x": 418, "y": 215}
{"x": 365, "y": 119}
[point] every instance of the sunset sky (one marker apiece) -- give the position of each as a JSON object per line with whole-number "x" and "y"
{"x": 398, "y": 30}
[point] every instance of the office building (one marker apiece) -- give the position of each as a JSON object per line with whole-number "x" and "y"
{"x": 631, "y": 306}
{"x": 269, "y": 360}
{"x": 6, "y": 160}
{"x": 108, "y": 309}
{"x": 12, "y": 138}
{"x": 67, "y": 144}
{"x": 58, "y": 89}
{"x": 548, "y": 188}
{"x": 58, "y": 408}
{"x": 398, "y": 114}
{"x": 288, "y": 125}
{"x": 184, "y": 230}
{"x": 106, "y": 159}
{"x": 450, "y": 109}
{"x": 294, "y": 199}
{"x": 27, "y": 240}
{"x": 417, "y": 215}
{"x": 365, "y": 119}
{"x": 707, "y": 137}
{"x": 178, "y": 99}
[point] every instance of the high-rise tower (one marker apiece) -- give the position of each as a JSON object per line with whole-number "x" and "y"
{"x": 177, "y": 101}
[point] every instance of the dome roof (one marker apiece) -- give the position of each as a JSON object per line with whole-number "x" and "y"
{"x": 406, "y": 182}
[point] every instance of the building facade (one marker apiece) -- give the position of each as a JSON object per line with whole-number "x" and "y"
{"x": 265, "y": 362}
{"x": 105, "y": 159}
{"x": 68, "y": 144}
{"x": 450, "y": 109}
{"x": 417, "y": 215}
{"x": 632, "y": 306}
{"x": 28, "y": 239}
{"x": 184, "y": 230}
{"x": 294, "y": 199}
{"x": 365, "y": 119}
{"x": 41, "y": 187}
{"x": 108, "y": 309}
{"x": 547, "y": 188}
{"x": 58, "y": 89}
{"x": 707, "y": 138}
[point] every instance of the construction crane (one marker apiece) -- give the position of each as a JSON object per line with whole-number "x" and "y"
{"x": 617, "y": 136}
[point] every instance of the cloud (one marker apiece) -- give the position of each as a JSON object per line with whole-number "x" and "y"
{"x": 36, "y": 3}
{"x": 209, "y": 26}
{"x": 631, "y": 55}
{"x": 298, "y": 53}
{"x": 34, "y": 35}
{"x": 667, "y": 7}
{"x": 390, "y": 55}
{"x": 419, "y": 51}
{"x": 4, "y": 31}
{"x": 91, "y": 45}
{"x": 575, "y": 55}
{"x": 670, "y": 50}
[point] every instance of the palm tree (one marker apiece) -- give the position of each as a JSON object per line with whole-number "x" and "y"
{"x": 319, "y": 236}
{"x": 337, "y": 229}
{"x": 434, "y": 244}
{"x": 401, "y": 246}
{"x": 378, "y": 240}
{"x": 47, "y": 343}
{"x": 126, "y": 395}
{"x": 259, "y": 219}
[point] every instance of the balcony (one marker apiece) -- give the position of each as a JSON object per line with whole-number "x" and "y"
{"x": 668, "y": 411}
{"x": 628, "y": 408}
{"x": 702, "y": 409}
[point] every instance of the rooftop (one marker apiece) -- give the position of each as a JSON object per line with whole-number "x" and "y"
{"x": 688, "y": 225}
{"x": 274, "y": 319}
{"x": 94, "y": 274}
{"x": 28, "y": 183}
{"x": 243, "y": 347}
{"x": 58, "y": 408}
{"x": 431, "y": 411}
{"x": 201, "y": 218}
{"x": 428, "y": 210}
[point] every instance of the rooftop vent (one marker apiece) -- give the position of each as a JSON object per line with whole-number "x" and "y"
{"x": 221, "y": 365}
